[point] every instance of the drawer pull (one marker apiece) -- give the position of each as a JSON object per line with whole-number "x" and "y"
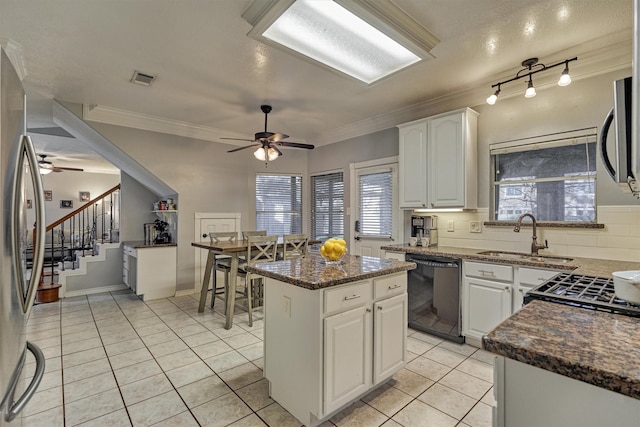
{"x": 542, "y": 279}
{"x": 394, "y": 287}
{"x": 379, "y": 308}
{"x": 507, "y": 288}
{"x": 351, "y": 297}
{"x": 369, "y": 310}
{"x": 487, "y": 273}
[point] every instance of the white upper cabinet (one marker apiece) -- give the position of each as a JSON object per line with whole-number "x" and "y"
{"x": 438, "y": 161}
{"x": 413, "y": 165}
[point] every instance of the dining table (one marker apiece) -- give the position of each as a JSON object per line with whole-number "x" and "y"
{"x": 234, "y": 250}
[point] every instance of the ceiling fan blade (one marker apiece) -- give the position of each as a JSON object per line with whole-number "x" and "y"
{"x": 277, "y": 150}
{"x": 62, "y": 168}
{"x": 296, "y": 145}
{"x": 242, "y": 148}
{"x": 238, "y": 139}
{"x": 277, "y": 137}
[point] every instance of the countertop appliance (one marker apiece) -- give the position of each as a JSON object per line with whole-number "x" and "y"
{"x": 424, "y": 226}
{"x": 434, "y": 296}
{"x": 18, "y": 169}
{"x": 617, "y": 159}
{"x": 590, "y": 292}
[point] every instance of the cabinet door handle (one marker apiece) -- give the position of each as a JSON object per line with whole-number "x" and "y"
{"x": 379, "y": 308}
{"x": 521, "y": 291}
{"x": 369, "y": 310}
{"x": 507, "y": 288}
{"x": 394, "y": 287}
{"x": 351, "y": 297}
{"x": 541, "y": 279}
{"x": 487, "y": 273}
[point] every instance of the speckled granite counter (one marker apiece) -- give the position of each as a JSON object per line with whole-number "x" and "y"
{"x": 312, "y": 272}
{"x": 140, "y": 244}
{"x": 588, "y": 266}
{"x": 594, "y": 347}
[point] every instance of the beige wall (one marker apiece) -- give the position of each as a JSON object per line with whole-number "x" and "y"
{"x": 205, "y": 177}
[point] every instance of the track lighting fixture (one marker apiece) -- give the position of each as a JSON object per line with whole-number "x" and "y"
{"x": 531, "y": 66}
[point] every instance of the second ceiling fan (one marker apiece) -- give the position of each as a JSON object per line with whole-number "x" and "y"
{"x": 46, "y": 165}
{"x": 268, "y": 142}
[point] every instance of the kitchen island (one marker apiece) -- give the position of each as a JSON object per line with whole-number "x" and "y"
{"x": 332, "y": 332}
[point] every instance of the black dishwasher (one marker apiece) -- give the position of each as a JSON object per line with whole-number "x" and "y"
{"x": 434, "y": 296}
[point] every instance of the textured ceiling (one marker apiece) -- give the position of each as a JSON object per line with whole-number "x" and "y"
{"x": 211, "y": 74}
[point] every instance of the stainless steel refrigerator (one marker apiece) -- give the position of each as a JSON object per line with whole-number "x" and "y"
{"x": 18, "y": 172}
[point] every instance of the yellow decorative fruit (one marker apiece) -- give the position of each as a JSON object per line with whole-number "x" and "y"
{"x": 333, "y": 249}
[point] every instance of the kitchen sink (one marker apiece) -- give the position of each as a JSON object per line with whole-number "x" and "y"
{"x": 526, "y": 257}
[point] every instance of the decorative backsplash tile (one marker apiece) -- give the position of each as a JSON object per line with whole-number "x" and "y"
{"x": 619, "y": 239}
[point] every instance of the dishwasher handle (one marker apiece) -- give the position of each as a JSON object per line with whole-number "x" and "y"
{"x": 437, "y": 264}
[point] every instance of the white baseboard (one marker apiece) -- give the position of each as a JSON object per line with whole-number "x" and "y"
{"x": 185, "y": 292}
{"x": 101, "y": 289}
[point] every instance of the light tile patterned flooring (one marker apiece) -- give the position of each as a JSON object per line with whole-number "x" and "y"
{"x": 114, "y": 360}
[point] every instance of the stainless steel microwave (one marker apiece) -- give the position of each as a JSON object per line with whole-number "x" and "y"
{"x": 618, "y": 157}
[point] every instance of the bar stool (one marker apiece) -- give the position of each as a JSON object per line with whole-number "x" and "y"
{"x": 259, "y": 249}
{"x": 221, "y": 262}
{"x": 295, "y": 246}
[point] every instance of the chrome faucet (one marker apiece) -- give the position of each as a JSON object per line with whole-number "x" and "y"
{"x": 534, "y": 244}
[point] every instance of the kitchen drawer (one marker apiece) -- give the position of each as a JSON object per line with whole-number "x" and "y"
{"x": 535, "y": 276}
{"x": 482, "y": 270}
{"x": 352, "y": 295}
{"x": 389, "y": 286}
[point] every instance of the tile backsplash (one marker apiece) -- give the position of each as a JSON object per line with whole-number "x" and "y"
{"x": 619, "y": 239}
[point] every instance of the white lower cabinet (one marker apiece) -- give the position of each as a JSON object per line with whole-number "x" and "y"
{"x": 326, "y": 348}
{"x": 493, "y": 292}
{"x": 150, "y": 271}
{"x": 347, "y": 357}
{"x": 488, "y": 303}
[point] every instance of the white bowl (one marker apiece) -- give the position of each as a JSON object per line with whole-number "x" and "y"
{"x": 627, "y": 285}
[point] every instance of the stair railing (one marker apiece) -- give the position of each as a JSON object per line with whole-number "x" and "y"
{"x": 97, "y": 221}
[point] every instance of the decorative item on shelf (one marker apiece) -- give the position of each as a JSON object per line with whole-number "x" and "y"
{"x": 162, "y": 236}
{"x": 332, "y": 250}
{"x": 162, "y": 205}
{"x": 156, "y": 206}
{"x": 170, "y": 205}
{"x": 531, "y": 66}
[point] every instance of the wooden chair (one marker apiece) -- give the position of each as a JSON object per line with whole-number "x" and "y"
{"x": 259, "y": 249}
{"x": 295, "y": 246}
{"x": 221, "y": 262}
{"x": 247, "y": 233}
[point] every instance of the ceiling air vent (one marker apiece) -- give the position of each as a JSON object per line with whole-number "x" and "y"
{"x": 142, "y": 78}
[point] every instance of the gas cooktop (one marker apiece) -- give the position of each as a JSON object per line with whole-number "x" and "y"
{"x": 578, "y": 290}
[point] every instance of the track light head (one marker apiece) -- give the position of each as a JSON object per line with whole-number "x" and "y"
{"x": 565, "y": 78}
{"x": 531, "y": 91}
{"x": 493, "y": 98}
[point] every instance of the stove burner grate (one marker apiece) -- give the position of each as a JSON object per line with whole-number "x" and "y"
{"x": 590, "y": 292}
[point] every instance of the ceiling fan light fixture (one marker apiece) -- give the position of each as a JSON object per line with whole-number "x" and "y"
{"x": 356, "y": 37}
{"x": 44, "y": 171}
{"x": 267, "y": 154}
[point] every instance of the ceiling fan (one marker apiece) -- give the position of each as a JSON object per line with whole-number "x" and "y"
{"x": 46, "y": 165}
{"x": 268, "y": 142}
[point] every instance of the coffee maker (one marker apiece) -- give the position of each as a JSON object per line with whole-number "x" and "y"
{"x": 425, "y": 226}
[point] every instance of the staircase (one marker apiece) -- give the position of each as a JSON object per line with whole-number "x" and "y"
{"x": 82, "y": 249}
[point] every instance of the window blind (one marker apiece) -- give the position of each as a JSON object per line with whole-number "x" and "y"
{"x": 279, "y": 204}
{"x": 327, "y": 206}
{"x": 376, "y": 204}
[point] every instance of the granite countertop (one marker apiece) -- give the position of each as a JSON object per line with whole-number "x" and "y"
{"x": 313, "y": 273}
{"x": 141, "y": 244}
{"x": 590, "y": 346}
{"x": 586, "y": 266}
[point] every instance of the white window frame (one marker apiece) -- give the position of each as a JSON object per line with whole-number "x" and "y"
{"x": 301, "y": 212}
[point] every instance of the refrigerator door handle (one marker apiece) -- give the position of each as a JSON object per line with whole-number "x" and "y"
{"x": 19, "y": 405}
{"x": 28, "y": 151}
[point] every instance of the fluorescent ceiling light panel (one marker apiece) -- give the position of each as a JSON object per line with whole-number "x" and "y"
{"x": 327, "y": 32}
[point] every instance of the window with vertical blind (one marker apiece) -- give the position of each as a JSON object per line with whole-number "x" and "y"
{"x": 279, "y": 204}
{"x": 376, "y": 204}
{"x": 327, "y": 206}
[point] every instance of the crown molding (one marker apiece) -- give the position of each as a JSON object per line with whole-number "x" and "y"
{"x": 132, "y": 119}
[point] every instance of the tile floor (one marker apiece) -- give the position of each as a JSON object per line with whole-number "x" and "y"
{"x": 114, "y": 360}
